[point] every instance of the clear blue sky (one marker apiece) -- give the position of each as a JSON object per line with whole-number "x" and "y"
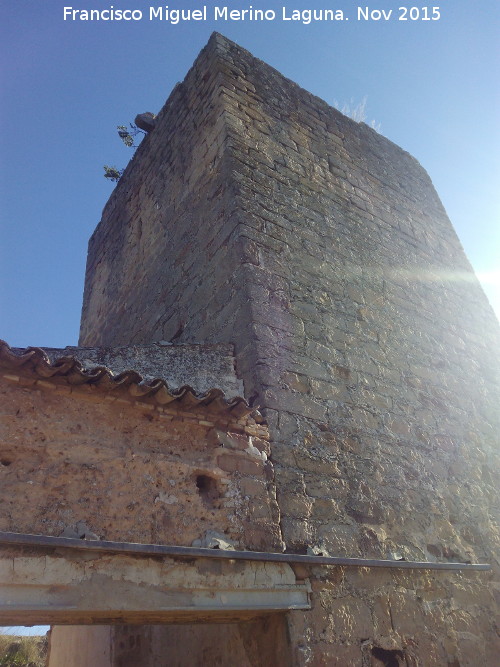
{"x": 432, "y": 86}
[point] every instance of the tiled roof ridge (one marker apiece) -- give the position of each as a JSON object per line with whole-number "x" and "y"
{"x": 71, "y": 369}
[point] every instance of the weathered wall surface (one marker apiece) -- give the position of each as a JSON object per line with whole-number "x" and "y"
{"x": 79, "y": 464}
{"x": 358, "y": 325}
{"x": 161, "y": 257}
{"x": 72, "y": 582}
{"x": 369, "y": 326}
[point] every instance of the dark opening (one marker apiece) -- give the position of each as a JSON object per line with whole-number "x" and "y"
{"x": 207, "y": 488}
{"x": 391, "y": 658}
{"x": 5, "y": 462}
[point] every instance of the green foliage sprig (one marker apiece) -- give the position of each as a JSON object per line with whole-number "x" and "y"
{"x": 112, "y": 173}
{"x": 128, "y": 136}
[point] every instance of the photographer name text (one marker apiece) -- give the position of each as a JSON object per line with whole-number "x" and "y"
{"x": 224, "y": 13}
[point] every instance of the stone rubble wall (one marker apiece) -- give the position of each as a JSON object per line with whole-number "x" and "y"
{"x": 78, "y": 465}
{"x": 255, "y": 214}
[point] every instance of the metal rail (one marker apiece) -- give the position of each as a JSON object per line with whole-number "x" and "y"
{"x": 131, "y": 548}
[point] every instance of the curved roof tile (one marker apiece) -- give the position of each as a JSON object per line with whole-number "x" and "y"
{"x": 35, "y": 362}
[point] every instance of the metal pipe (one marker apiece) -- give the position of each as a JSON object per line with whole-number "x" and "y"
{"x": 23, "y": 539}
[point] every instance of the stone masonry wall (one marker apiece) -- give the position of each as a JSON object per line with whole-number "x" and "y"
{"x": 73, "y": 464}
{"x": 358, "y": 326}
{"x": 369, "y": 326}
{"x": 161, "y": 258}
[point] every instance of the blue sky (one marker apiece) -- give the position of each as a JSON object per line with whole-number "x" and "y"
{"x": 24, "y": 630}
{"x": 431, "y": 85}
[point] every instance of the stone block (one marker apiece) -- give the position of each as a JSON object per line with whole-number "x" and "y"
{"x": 294, "y": 403}
{"x": 319, "y": 486}
{"x": 350, "y": 621}
{"x": 298, "y": 383}
{"x": 241, "y": 464}
{"x": 382, "y": 616}
{"x": 325, "y": 509}
{"x": 339, "y": 538}
{"x": 332, "y": 391}
{"x": 297, "y": 534}
{"x": 320, "y": 464}
{"x": 295, "y": 505}
{"x": 407, "y": 614}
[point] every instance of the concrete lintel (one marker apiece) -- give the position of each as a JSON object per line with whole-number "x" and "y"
{"x": 78, "y": 588}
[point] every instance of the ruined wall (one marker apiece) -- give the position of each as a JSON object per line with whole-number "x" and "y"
{"x": 360, "y": 328}
{"x": 74, "y": 463}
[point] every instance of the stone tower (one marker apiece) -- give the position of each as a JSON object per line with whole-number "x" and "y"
{"x": 255, "y": 214}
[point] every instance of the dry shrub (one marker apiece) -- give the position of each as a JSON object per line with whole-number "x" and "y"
{"x": 18, "y": 651}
